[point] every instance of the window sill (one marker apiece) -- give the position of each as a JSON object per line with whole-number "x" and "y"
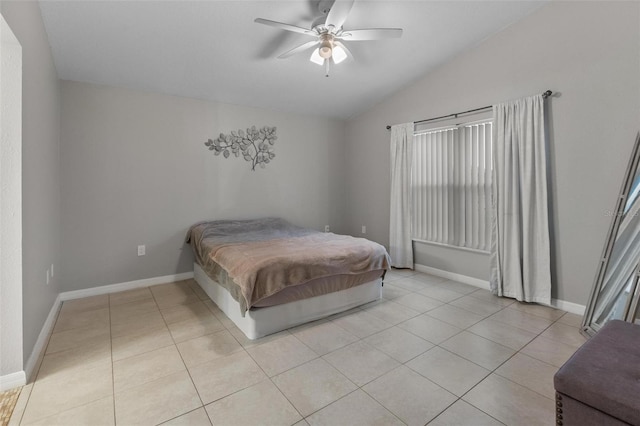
{"x": 432, "y": 243}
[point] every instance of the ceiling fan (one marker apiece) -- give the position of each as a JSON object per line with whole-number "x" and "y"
{"x": 329, "y": 34}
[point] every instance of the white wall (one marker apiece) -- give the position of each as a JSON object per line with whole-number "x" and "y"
{"x": 40, "y": 167}
{"x": 11, "y": 361}
{"x": 135, "y": 171}
{"x": 588, "y": 52}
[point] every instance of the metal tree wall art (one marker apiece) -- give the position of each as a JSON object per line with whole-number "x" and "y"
{"x": 255, "y": 145}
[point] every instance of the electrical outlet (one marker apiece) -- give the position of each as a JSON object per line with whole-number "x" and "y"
{"x": 364, "y": 229}
{"x": 326, "y": 228}
{"x": 47, "y": 277}
{"x": 142, "y": 250}
{"x": 52, "y": 270}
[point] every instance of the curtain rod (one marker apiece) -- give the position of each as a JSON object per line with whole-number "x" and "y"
{"x": 455, "y": 115}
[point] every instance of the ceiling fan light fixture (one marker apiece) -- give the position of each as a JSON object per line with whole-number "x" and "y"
{"x": 339, "y": 54}
{"x": 316, "y": 58}
{"x": 326, "y": 49}
{"x": 330, "y": 46}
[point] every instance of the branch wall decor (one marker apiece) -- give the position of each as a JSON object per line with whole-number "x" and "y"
{"x": 255, "y": 145}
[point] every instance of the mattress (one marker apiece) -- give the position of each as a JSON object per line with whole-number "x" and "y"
{"x": 264, "y": 262}
{"x": 318, "y": 287}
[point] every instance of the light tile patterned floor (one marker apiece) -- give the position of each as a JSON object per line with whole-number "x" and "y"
{"x": 431, "y": 352}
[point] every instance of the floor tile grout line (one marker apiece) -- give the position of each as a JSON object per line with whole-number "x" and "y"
{"x": 35, "y": 380}
{"x": 374, "y": 379}
{"x": 455, "y": 325}
{"x": 184, "y": 414}
{"x": 379, "y": 402}
{"x": 299, "y": 365}
{"x": 520, "y": 384}
{"x": 267, "y": 378}
{"x": 69, "y": 409}
{"x": 466, "y": 329}
{"x": 451, "y": 352}
{"x": 370, "y": 381}
{"x": 261, "y": 369}
{"x": 179, "y": 353}
{"x": 477, "y": 384}
{"x": 502, "y": 308}
{"x": 53, "y": 331}
{"x": 24, "y": 407}
{"x": 39, "y": 364}
{"x": 498, "y": 343}
{"x": 341, "y": 374}
{"x": 203, "y": 406}
{"x": 332, "y": 402}
{"x": 361, "y": 338}
{"x": 286, "y": 397}
{"x": 494, "y": 372}
{"x": 532, "y": 314}
{"x": 140, "y": 353}
{"x": 358, "y": 388}
{"x": 506, "y": 378}
{"x": 26, "y": 404}
{"x": 516, "y": 351}
{"x": 462, "y": 400}
{"x": 433, "y": 343}
{"x": 446, "y": 408}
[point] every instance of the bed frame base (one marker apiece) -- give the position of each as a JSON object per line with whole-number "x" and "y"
{"x": 263, "y": 321}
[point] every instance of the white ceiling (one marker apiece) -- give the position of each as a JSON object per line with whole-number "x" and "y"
{"x": 213, "y": 50}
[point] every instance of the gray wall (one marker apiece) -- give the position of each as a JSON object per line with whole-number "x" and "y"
{"x": 586, "y": 51}
{"x": 40, "y": 167}
{"x": 135, "y": 171}
{"x": 11, "y": 359}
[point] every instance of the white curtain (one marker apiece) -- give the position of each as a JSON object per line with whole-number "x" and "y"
{"x": 520, "y": 252}
{"x": 400, "y": 246}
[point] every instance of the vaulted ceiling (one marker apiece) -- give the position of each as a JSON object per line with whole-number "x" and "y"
{"x": 213, "y": 50}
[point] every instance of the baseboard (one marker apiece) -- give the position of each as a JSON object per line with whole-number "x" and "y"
{"x": 87, "y": 292}
{"x": 41, "y": 343}
{"x": 563, "y": 305}
{"x": 129, "y": 285}
{"x": 571, "y": 307}
{"x": 13, "y": 380}
{"x": 476, "y": 282}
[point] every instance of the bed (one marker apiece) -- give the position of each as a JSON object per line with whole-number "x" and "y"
{"x": 268, "y": 275}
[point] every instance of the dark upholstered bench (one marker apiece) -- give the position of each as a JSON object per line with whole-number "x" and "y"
{"x": 600, "y": 383}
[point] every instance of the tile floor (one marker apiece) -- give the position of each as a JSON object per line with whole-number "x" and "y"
{"x": 431, "y": 352}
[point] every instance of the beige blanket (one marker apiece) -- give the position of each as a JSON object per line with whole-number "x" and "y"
{"x": 262, "y": 266}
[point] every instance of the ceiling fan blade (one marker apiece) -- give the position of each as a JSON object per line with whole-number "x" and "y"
{"x": 338, "y": 13}
{"x": 298, "y": 49}
{"x": 371, "y": 34}
{"x": 283, "y": 26}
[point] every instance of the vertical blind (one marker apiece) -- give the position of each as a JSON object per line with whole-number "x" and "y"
{"x": 451, "y": 185}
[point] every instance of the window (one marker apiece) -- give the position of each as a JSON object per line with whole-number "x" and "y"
{"x": 451, "y": 185}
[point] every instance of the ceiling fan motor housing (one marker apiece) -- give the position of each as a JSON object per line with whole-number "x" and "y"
{"x": 324, "y": 6}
